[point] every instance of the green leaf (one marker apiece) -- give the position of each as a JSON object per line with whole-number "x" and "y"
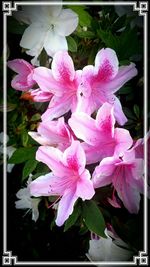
{"x": 38, "y": 174}
{"x": 41, "y": 167}
{"x": 124, "y": 62}
{"x": 22, "y": 154}
{"x": 93, "y": 217}
{"x": 136, "y": 110}
{"x": 36, "y": 117}
{"x": 129, "y": 113}
{"x": 119, "y": 23}
{"x": 72, "y": 45}
{"x": 43, "y": 58}
{"x": 11, "y": 106}
{"x": 25, "y": 138}
{"x": 85, "y": 34}
{"x": 84, "y": 16}
{"x": 14, "y": 26}
{"x": 72, "y": 218}
{"x": 125, "y": 90}
{"x": 29, "y": 167}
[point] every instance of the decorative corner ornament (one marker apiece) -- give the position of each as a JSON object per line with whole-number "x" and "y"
{"x": 8, "y": 259}
{"x": 7, "y": 8}
{"x": 142, "y": 8}
{"x": 143, "y": 259}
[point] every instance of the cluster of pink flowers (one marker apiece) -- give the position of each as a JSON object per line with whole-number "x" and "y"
{"x": 72, "y": 141}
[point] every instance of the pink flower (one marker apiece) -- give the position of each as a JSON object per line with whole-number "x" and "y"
{"x": 24, "y": 80}
{"x": 125, "y": 174}
{"x": 37, "y": 95}
{"x": 100, "y": 82}
{"x": 62, "y": 81}
{"x": 100, "y": 137}
{"x": 139, "y": 148}
{"x": 69, "y": 178}
{"x": 55, "y": 133}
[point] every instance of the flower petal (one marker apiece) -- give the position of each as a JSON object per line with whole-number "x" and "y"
{"x": 125, "y": 73}
{"x": 66, "y": 23}
{"x": 23, "y": 204}
{"x": 20, "y": 83}
{"x": 84, "y": 127}
{"x": 66, "y": 205}
{"x": 54, "y": 43}
{"x": 105, "y": 119}
{"x": 42, "y": 140}
{"x": 63, "y": 67}
{"x": 57, "y": 107}
{"x": 92, "y": 155}
{"x": 43, "y": 76}
{"x": 52, "y": 11}
{"x": 52, "y": 157}
{"x": 42, "y": 186}
{"x": 123, "y": 140}
{"x": 20, "y": 66}
{"x": 35, "y": 211}
{"x": 85, "y": 189}
{"x": 55, "y": 132}
{"x": 37, "y": 95}
{"x": 106, "y": 64}
{"x": 87, "y": 80}
{"x": 118, "y": 112}
{"x": 33, "y": 36}
{"x": 103, "y": 172}
{"x": 127, "y": 193}
{"x": 74, "y": 157}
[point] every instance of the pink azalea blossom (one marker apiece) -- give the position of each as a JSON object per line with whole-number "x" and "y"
{"x": 37, "y": 95}
{"x": 139, "y": 148}
{"x": 100, "y": 137}
{"x": 69, "y": 178}
{"x": 126, "y": 175}
{"x": 55, "y": 133}
{"x": 100, "y": 82}
{"x": 62, "y": 81}
{"x": 23, "y": 81}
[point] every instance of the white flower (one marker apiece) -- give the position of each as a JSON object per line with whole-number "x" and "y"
{"x": 48, "y": 27}
{"x": 107, "y": 249}
{"x": 9, "y": 150}
{"x": 27, "y": 202}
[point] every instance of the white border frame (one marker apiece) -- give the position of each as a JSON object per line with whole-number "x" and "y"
{"x": 7, "y": 258}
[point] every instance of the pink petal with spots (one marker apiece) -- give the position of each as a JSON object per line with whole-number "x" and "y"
{"x": 125, "y": 73}
{"x": 42, "y": 186}
{"x": 105, "y": 120}
{"x": 106, "y": 64}
{"x": 74, "y": 157}
{"x": 63, "y": 67}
